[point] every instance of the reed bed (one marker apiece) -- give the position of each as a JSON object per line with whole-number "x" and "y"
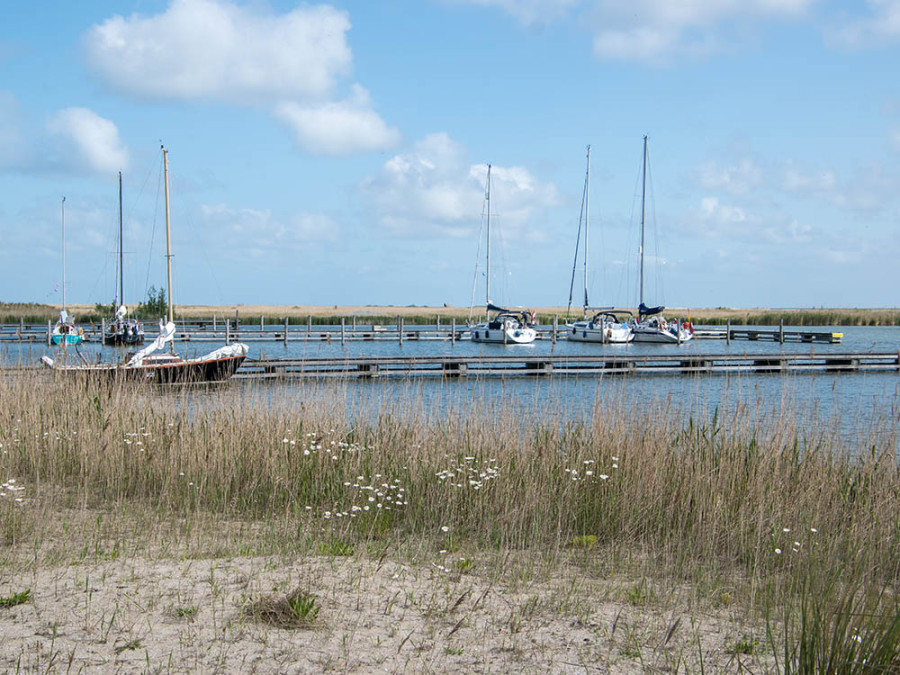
{"x": 792, "y": 523}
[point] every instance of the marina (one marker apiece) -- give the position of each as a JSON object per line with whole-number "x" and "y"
{"x": 228, "y": 330}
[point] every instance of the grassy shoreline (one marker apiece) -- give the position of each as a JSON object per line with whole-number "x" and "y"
{"x": 786, "y": 535}
{"x": 33, "y": 312}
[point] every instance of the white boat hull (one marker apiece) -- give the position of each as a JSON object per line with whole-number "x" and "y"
{"x": 585, "y": 331}
{"x": 503, "y": 335}
{"x": 661, "y": 335}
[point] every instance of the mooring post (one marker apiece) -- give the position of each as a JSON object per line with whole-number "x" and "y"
{"x": 342, "y": 331}
{"x": 285, "y": 330}
{"x": 308, "y": 325}
{"x": 102, "y": 329}
{"x": 400, "y": 328}
{"x": 214, "y": 325}
{"x": 678, "y": 329}
{"x": 261, "y": 326}
{"x": 453, "y": 331}
{"x": 728, "y": 331}
{"x": 354, "y": 323}
{"x": 237, "y": 321}
{"x": 227, "y": 331}
{"x": 49, "y": 332}
{"x": 555, "y": 329}
{"x": 781, "y": 331}
{"x": 21, "y": 326}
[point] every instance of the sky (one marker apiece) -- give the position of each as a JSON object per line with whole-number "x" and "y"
{"x": 336, "y": 153}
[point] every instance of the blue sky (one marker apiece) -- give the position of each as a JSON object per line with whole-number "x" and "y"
{"x": 336, "y": 153}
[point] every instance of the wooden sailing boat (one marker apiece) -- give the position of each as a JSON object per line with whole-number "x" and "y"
{"x": 65, "y": 332}
{"x": 606, "y": 325}
{"x": 169, "y": 367}
{"x": 652, "y": 325}
{"x": 122, "y": 329}
{"x": 508, "y": 326}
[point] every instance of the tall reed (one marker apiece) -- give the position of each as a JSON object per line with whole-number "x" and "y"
{"x": 748, "y": 493}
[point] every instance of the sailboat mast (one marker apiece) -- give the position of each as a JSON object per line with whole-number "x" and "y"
{"x": 587, "y": 210}
{"x": 168, "y": 234}
{"x": 643, "y": 210}
{"x": 487, "y": 284}
{"x": 63, "y": 207}
{"x": 120, "y": 291}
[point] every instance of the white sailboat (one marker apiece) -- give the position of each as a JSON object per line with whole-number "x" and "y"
{"x": 651, "y": 325}
{"x": 122, "y": 329}
{"x": 507, "y": 326}
{"x": 64, "y": 331}
{"x": 165, "y": 368}
{"x": 605, "y": 324}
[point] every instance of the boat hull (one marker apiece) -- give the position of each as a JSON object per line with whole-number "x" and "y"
{"x": 66, "y": 338}
{"x": 503, "y": 336}
{"x": 587, "y": 332}
{"x": 660, "y": 336}
{"x": 171, "y": 371}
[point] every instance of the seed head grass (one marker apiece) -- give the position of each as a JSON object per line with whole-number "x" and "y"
{"x": 751, "y": 498}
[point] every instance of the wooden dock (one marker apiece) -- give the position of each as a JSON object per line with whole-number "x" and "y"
{"x": 564, "y": 365}
{"x": 228, "y": 331}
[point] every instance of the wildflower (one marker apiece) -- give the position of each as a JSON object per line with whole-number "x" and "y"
{"x": 787, "y": 529}
{"x": 813, "y": 530}
{"x": 444, "y": 528}
{"x": 603, "y": 476}
{"x": 778, "y": 551}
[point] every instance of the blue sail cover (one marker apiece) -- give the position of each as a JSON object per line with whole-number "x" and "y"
{"x": 643, "y": 310}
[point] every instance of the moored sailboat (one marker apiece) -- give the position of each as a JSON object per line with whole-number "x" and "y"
{"x": 64, "y": 331}
{"x": 122, "y": 329}
{"x": 605, "y": 325}
{"x": 507, "y": 326}
{"x": 651, "y": 325}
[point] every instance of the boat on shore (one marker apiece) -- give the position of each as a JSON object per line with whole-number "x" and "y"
{"x": 163, "y": 368}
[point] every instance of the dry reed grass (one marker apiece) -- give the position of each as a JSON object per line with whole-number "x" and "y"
{"x": 744, "y": 513}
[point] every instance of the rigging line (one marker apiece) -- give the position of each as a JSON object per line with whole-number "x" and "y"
{"x": 575, "y": 259}
{"x": 153, "y": 229}
{"x": 484, "y": 205}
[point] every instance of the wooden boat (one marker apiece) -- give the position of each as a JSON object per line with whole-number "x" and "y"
{"x": 164, "y": 368}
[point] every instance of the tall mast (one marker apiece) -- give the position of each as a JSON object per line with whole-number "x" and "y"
{"x": 120, "y": 291}
{"x": 63, "y": 207}
{"x": 587, "y": 210}
{"x": 168, "y": 233}
{"x": 487, "y": 285}
{"x": 643, "y": 205}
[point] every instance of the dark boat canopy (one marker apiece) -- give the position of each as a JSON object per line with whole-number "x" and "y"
{"x": 643, "y": 310}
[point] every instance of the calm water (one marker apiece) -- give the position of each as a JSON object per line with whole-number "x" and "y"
{"x": 861, "y": 407}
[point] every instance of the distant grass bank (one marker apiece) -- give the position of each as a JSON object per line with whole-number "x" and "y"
{"x": 11, "y": 312}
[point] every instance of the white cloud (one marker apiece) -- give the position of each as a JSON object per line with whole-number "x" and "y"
{"x": 656, "y": 29}
{"x": 213, "y": 49}
{"x": 869, "y": 189}
{"x": 431, "y": 190}
{"x": 529, "y": 12}
{"x": 340, "y": 128}
{"x": 883, "y": 26}
{"x": 11, "y": 144}
{"x": 258, "y": 233}
{"x": 736, "y": 180}
{"x": 86, "y": 139}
